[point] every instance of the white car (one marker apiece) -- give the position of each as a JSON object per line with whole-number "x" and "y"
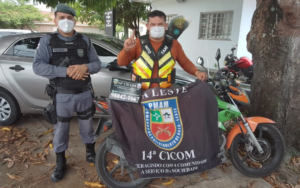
{"x": 4, "y": 32}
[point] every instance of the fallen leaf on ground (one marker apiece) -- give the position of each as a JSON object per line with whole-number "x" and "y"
{"x": 92, "y": 184}
{"x": 41, "y": 134}
{"x": 250, "y": 185}
{"x": 51, "y": 146}
{"x": 15, "y": 177}
{"x": 77, "y": 167}
{"x": 6, "y": 129}
{"x": 37, "y": 163}
{"x": 50, "y": 130}
{"x": 295, "y": 161}
{"x": 53, "y": 166}
{"x": 40, "y": 177}
{"x": 50, "y": 141}
{"x": 10, "y": 164}
{"x": 168, "y": 183}
{"x": 273, "y": 182}
{"x": 67, "y": 157}
{"x": 27, "y": 165}
{"x": 92, "y": 164}
{"x": 7, "y": 159}
{"x": 21, "y": 142}
{"x": 46, "y": 151}
{"x": 204, "y": 175}
{"x": 173, "y": 179}
{"x": 3, "y": 150}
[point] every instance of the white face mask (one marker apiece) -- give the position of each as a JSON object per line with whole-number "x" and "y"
{"x": 157, "y": 32}
{"x": 66, "y": 25}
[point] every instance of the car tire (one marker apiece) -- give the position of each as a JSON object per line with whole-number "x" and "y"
{"x": 9, "y": 109}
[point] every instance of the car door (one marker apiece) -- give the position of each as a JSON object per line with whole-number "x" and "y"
{"x": 102, "y": 80}
{"x": 17, "y": 68}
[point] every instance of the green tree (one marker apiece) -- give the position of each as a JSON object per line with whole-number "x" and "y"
{"x": 17, "y": 14}
{"x": 128, "y": 14}
{"x": 274, "y": 41}
{"x": 96, "y": 5}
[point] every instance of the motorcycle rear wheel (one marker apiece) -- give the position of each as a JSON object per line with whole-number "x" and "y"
{"x": 108, "y": 177}
{"x": 254, "y": 164}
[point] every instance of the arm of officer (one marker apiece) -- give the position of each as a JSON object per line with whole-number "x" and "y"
{"x": 94, "y": 64}
{"x": 124, "y": 58}
{"x": 41, "y": 61}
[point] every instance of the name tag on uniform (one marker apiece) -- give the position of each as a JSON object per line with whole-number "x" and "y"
{"x": 60, "y": 50}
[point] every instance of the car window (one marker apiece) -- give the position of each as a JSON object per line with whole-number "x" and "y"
{"x": 114, "y": 42}
{"x": 26, "y": 47}
{"x": 102, "y": 52}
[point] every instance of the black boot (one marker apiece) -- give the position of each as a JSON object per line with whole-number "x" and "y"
{"x": 61, "y": 164}
{"x": 90, "y": 152}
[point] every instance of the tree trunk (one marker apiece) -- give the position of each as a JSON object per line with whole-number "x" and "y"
{"x": 125, "y": 31}
{"x": 274, "y": 41}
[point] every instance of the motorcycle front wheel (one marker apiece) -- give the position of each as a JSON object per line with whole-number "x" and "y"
{"x": 109, "y": 169}
{"x": 252, "y": 163}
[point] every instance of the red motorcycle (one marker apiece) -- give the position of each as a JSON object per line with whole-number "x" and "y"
{"x": 241, "y": 68}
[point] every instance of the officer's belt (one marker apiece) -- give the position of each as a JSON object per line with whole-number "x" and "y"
{"x": 72, "y": 91}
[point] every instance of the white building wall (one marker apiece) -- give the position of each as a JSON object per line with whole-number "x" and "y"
{"x": 195, "y": 47}
{"x": 249, "y": 7}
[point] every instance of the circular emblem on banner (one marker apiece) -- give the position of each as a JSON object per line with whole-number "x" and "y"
{"x": 163, "y": 124}
{"x": 116, "y": 81}
{"x": 176, "y": 31}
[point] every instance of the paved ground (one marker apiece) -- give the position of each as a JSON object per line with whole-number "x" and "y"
{"x": 26, "y": 157}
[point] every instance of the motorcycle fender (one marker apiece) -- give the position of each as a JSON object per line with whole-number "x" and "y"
{"x": 252, "y": 121}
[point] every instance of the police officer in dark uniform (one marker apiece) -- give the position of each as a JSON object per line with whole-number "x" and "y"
{"x": 67, "y": 59}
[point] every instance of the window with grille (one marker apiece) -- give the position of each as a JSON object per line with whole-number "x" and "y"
{"x": 216, "y": 25}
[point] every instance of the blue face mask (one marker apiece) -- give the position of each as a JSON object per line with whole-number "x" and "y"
{"x": 157, "y": 32}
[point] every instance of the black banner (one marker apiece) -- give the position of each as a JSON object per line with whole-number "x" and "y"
{"x": 110, "y": 22}
{"x": 172, "y": 132}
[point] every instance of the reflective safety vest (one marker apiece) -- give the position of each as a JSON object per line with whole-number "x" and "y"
{"x": 143, "y": 66}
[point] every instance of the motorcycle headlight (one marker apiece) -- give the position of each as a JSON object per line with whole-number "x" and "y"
{"x": 225, "y": 62}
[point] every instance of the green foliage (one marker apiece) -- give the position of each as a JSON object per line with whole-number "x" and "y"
{"x": 17, "y": 14}
{"x": 92, "y": 12}
{"x": 129, "y": 14}
{"x": 88, "y": 15}
{"x": 95, "y": 5}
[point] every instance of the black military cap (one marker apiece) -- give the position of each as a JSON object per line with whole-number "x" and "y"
{"x": 65, "y": 9}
